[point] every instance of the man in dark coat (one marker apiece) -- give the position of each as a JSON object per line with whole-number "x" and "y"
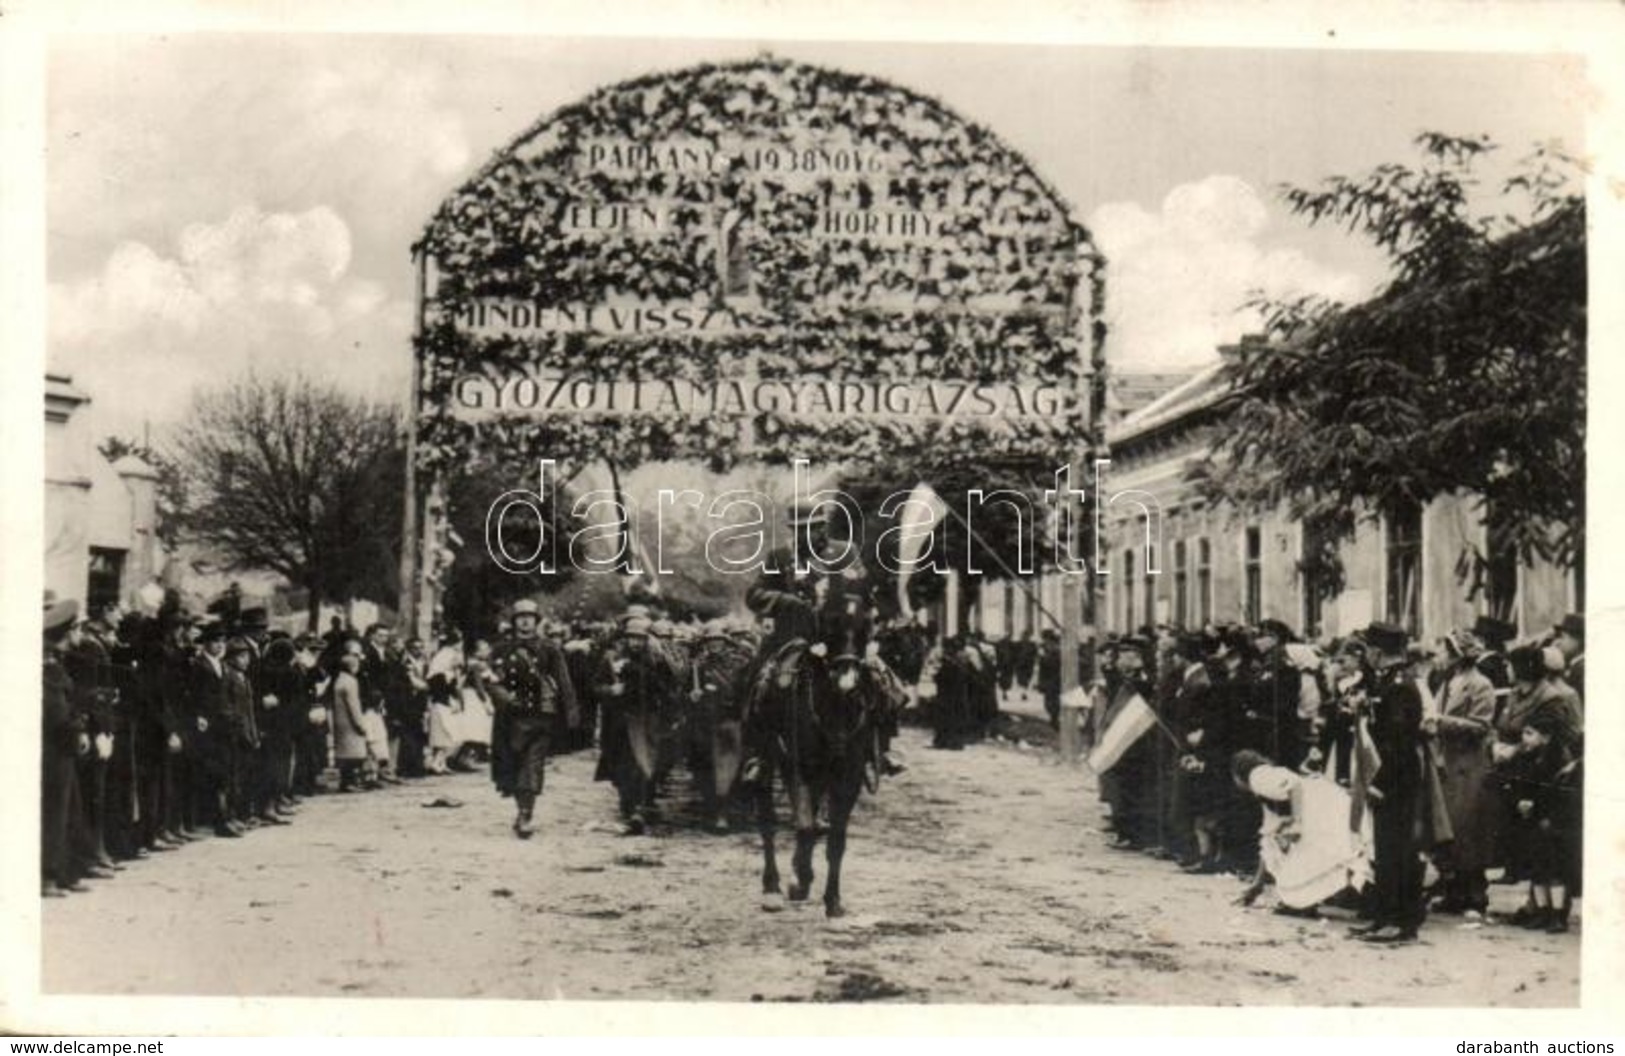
{"x": 1273, "y": 724}
{"x": 1396, "y": 790}
{"x": 533, "y": 695}
{"x": 63, "y": 740}
{"x": 214, "y": 763}
{"x": 172, "y": 683}
{"x": 310, "y": 719}
{"x": 90, "y": 662}
{"x": 379, "y": 692}
{"x": 243, "y": 738}
{"x": 283, "y": 706}
{"x": 1024, "y": 657}
{"x": 1048, "y": 661}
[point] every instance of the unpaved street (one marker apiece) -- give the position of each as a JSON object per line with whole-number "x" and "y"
{"x": 978, "y": 876}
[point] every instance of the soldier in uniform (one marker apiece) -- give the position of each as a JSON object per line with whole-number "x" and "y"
{"x": 1396, "y": 791}
{"x": 532, "y": 692}
{"x": 806, "y": 602}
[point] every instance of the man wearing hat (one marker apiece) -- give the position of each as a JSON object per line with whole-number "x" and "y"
{"x": 1494, "y": 635}
{"x": 1396, "y": 790}
{"x": 213, "y": 771}
{"x": 63, "y": 740}
{"x": 533, "y": 693}
{"x": 1274, "y": 724}
{"x": 245, "y": 793}
{"x": 310, "y": 719}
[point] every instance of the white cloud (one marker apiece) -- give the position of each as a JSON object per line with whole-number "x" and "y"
{"x": 268, "y": 292}
{"x": 1178, "y": 277}
{"x": 144, "y": 139}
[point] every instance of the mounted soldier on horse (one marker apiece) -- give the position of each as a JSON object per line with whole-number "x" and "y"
{"x": 819, "y": 700}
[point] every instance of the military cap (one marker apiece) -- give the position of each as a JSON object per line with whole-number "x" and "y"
{"x": 58, "y": 614}
{"x": 1493, "y": 632}
{"x": 1386, "y": 637}
{"x": 1276, "y": 629}
{"x": 525, "y": 607}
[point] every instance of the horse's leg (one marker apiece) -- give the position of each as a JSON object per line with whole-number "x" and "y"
{"x": 764, "y": 824}
{"x": 842, "y": 798}
{"x": 804, "y": 798}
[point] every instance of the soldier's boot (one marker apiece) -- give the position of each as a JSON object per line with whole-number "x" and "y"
{"x": 522, "y": 825}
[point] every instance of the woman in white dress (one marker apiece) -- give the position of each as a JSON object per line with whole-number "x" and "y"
{"x": 445, "y": 675}
{"x": 1306, "y": 845}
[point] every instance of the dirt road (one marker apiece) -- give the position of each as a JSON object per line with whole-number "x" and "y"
{"x": 978, "y": 876}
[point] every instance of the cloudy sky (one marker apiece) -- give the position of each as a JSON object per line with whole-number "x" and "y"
{"x": 224, "y": 203}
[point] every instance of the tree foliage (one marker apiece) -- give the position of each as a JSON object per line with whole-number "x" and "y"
{"x": 1465, "y": 374}
{"x": 297, "y": 478}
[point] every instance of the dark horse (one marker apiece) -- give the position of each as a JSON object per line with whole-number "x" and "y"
{"x": 820, "y": 722}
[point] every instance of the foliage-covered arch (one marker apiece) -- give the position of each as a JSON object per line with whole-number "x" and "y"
{"x": 823, "y": 169}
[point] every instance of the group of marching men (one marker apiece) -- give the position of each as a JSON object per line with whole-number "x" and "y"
{"x": 1245, "y": 750}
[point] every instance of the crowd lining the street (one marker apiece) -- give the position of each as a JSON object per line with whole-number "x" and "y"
{"x": 163, "y": 729}
{"x": 1370, "y": 773}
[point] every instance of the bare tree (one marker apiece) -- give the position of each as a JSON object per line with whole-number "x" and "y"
{"x": 298, "y": 478}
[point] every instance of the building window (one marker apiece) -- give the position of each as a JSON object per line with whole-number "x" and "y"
{"x": 1181, "y": 614}
{"x": 106, "y": 575}
{"x": 1501, "y": 567}
{"x": 1314, "y": 578}
{"x": 1403, "y": 537}
{"x": 1253, "y": 565}
{"x": 1204, "y": 582}
{"x": 1128, "y": 590}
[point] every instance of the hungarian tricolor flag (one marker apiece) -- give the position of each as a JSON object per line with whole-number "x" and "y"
{"x": 1131, "y": 723}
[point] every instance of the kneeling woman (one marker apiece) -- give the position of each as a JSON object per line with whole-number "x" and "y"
{"x": 1310, "y": 843}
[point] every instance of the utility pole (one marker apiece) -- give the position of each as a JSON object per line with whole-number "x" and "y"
{"x": 409, "y": 514}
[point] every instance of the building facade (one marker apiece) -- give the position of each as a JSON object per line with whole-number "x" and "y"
{"x": 1189, "y": 563}
{"x": 101, "y": 517}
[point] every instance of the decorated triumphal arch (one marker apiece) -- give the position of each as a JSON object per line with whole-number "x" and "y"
{"x": 762, "y": 260}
